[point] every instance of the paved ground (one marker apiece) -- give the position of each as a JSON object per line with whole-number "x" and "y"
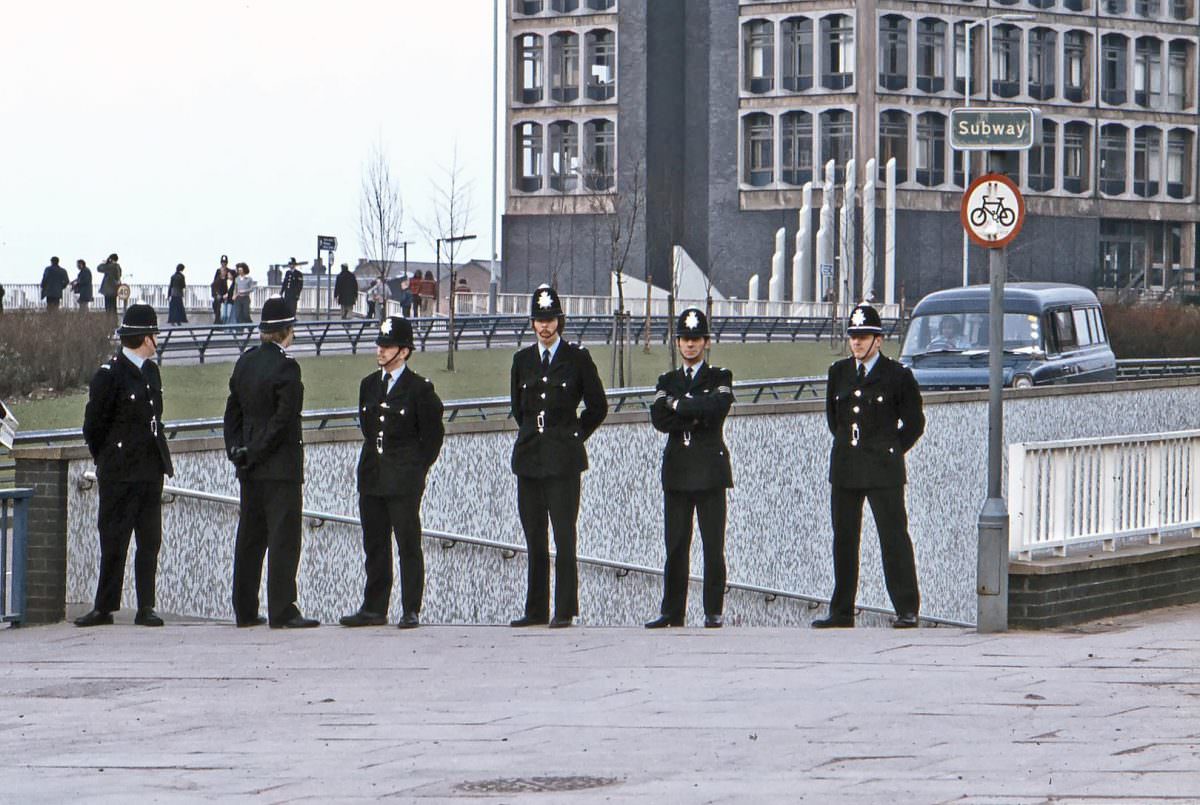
{"x": 202, "y": 711}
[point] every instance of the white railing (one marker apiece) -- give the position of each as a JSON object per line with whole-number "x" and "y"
{"x": 1101, "y": 490}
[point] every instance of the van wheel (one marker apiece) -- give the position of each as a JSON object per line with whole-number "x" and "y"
{"x": 1022, "y": 382}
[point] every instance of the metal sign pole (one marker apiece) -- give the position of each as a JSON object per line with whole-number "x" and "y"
{"x": 992, "y": 560}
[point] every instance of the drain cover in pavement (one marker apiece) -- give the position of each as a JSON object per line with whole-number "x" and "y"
{"x": 520, "y": 785}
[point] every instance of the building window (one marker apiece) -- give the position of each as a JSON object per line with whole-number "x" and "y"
{"x": 602, "y": 64}
{"x": 1181, "y": 9}
{"x": 931, "y": 55}
{"x": 1006, "y": 61}
{"x": 1147, "y": 72}
{"x": 758, "y": 50}
{"x": 529, "y": 67}
{"x": 758, "y": 133}
{"x": 1112, "y": 159}
{"x": 1042, "y": 3}
{"x": 797, "y": 33}
{"x": 893, "y": 52}
{"x": 1113, "y": 65}
{"x": 601, "y": 5}
{"x": 528, "y": 7}
{"x": 600, "y": 166}
{"x": 837, "y": 143}
{"x": 960, "y": 60}
{"x": 797, "y": 133}
{"x": 564, "y": 67}
{"x": 1043, "y": 44}
{"x": 1148, "y": 8}
{"x": 1178, "y": 97}
{"x": 1075, "y": 66}
{"x": 564, "y": 6}
{"x": 1115, "y": 6}
{"x": 1041, "y": 158}
{"x": 528, "y": 169}
{"x": 1077, "y": 157}
{"x": 564, "y": 156}
{"x": 1147, "y": 161}
{"x": 837, "y": 41}
{"x": 931, "y": 149}
{"x": 1179, "y": 163}
{"x": 1074, "y": 5}
{"x": 893, "y": 142}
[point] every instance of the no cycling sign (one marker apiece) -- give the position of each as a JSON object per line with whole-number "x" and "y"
{"x": 993, "y": 211}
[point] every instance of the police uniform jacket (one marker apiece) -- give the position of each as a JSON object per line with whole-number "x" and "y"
{"x": 262, "y": 414}
{"x": 122, "y": 423}
{"x": 695, "y": 457}
{"x": 873, "y": 423}
{"x": 293, "y": 283}
{"x": 550, "y": 431}
{"x": 402, "y": 434}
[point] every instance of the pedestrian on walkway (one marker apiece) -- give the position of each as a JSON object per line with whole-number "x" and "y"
{"x": 2, "y": 298}
{"x": 346, "y": 290}
{"x": 219, "y": 287}
{"x": 244, "y": 289}
{"x": 122, "y": 425}
{"x": 82, "y": 286}
{"x": 293, "y": 284}
{"x": 263, "y": 440}
{"x": 54, "y": 282}
{"x": 176, "y": 312}
{"x": 229, "y": 303}
{"x": 690, "y": 406}
{"x": 401, "y": 419}
{"x": 111, "y": 269}
{"x": 406, "y": 298}
{"x": 549, "y": 379}
{"x": 873, "y": 407}
{"x": 377, "y": 298}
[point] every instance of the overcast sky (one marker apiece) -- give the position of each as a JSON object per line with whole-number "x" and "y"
{"x": 178, "y": 130}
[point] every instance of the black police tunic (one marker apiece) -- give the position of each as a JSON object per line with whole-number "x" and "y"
{"x": 402, "y": 434}
{"x": 695, "y": 457}
{"x": 873, "y": 423}
{"x": 122, "y": 423}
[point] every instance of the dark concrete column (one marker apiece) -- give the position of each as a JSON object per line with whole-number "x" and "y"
{"x": 46, "y": 553}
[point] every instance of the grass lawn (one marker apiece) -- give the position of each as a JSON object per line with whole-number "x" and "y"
{"x": 198, "y": 392}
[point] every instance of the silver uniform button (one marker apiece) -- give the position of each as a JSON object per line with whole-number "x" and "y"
{"x": 858, "y": 392}
{"x": 856, "y": 409}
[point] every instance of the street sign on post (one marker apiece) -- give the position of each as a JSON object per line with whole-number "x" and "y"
{"x": 992, "y": 211}
{"x": 992, "y": 129}
{"x": 326, "y": 243}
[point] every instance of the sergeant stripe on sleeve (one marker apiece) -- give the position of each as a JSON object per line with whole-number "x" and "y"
{"x": 724, "y": 390}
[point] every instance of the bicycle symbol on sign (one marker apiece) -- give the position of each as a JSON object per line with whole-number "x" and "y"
{"x": 994, "y": 208}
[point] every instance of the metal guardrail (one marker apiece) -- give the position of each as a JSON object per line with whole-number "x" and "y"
{"x": 14, "y": 531}
{"x": 1153, "y": 368}
{"x": 509, "y": 550}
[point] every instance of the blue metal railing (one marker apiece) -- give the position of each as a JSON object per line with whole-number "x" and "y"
{"x": 14, "y": 525}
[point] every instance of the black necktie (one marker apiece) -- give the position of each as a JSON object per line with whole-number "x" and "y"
{"x": 545, "y": 360}
{"x": 387, "y": 381}
{"x": 862, "y": 372}
{"x": 688, "y": 374}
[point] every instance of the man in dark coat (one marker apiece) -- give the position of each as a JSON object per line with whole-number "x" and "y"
{"x": 549, "y": 379}
{"x": 401, "y": 420}
{"x": 293, "y": 283}
{"x": 54, "y": 282}
{"x": 346, "y": 290}
{"x": 1, "y": 298}
{"x": 111, "y": 270}
{"x": 873, "y": 407}
{"x": 219, "y": 288}
{"x": 83, "y": 286}
{"x": 263, "y": 440}
{"x": 690, "y": 405}
{"x": 122, "y": 425}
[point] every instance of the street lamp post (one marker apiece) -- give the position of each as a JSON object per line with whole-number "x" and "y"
{"x": 987, "y": 23}
{"x": 450, "y": 296}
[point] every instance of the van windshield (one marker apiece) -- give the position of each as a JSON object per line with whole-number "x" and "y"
{"x": 968, "y": 333}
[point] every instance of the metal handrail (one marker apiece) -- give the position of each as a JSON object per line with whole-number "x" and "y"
{"x": 510, "y": 549}
{"x": 12, "y": 597}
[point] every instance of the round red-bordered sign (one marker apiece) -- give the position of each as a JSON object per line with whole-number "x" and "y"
{"x": 993, "y": 211}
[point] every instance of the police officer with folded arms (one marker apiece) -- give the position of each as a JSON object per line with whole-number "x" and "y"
{"x": 549, "y": 379}
{"x": 401, "y": 420}
{"x": 263, "y": 440}
{"x": 122, "y": 425}
{"x": 690, "y": 406}
{"x": 873, "y": 408}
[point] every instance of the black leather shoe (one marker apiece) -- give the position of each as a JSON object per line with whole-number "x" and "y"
{"x": 907, "y": 620}
{"x": 663, "y": 621}
{"x": 409, "y": 620}
{"x": 714, "y": 621}
{"x": 834, "y": 622}
{"x": 561, "y": 623}
{"x": 146, "y": 616}
{"x": 298, "y": 622}
{"x": 257, "y": 620}
{"x": 364, "y": 618}
{"x": 526, "y": 620}
{"x": 95, "y": 618}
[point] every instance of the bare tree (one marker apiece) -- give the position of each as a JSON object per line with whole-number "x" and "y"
{"x": 380, "y": 213}
{"x": 446, "y": 231}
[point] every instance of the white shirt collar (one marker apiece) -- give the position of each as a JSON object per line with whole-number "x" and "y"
{"x": 134, "y": 358}
{"x": 869, "y": 364}
{"x": 552, "y": 349}
{"x": 394, "y": 375}
{"x": 695, "y": 369}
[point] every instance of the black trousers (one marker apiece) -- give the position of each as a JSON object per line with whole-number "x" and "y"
{"x": 555, "y": 502}
{"x": 216, "y": 306}
{"x": 709, "y": 508}
{"x": 110, "y": 304}
{"x": 895, "y": 547}
{"x": 128, "y": 508}
{"x": 269, "y": 523}
{"x": 383, "y": 517}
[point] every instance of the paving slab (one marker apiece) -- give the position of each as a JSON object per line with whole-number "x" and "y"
{"x": 202, "y": 711}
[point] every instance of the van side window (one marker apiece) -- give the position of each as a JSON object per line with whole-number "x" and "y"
{"x": 1101, "y": 337}
{"x": 1064, "y": 330}
{"x": 1083, "y": 333}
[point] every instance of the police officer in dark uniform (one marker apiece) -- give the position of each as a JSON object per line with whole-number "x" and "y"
{"x": 401, "y": 419}
{"x": 293, "y": 284}
{"x": 263, "y": 440}
{"x": 549, "y": 379}
{"x": 873, "y": 406}
{"x": 122, "y": 426}
{"x": 690, "y": 405}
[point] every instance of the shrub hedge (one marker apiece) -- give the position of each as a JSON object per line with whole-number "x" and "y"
{"x": 54, "y": 350}
{"x": 1166, "y": 330}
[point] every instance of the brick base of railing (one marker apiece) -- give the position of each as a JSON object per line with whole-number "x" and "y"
{"x": 1045, "y": 593}
{"x": 46, "y": 554}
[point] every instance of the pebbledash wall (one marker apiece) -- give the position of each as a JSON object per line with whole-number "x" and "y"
{"x": 779, "y": 534}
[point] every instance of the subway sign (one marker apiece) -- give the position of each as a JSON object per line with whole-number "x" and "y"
{"x": 977, "y": 129}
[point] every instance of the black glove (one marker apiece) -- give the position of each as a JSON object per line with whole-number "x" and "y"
{"x": 240, "y": 457}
